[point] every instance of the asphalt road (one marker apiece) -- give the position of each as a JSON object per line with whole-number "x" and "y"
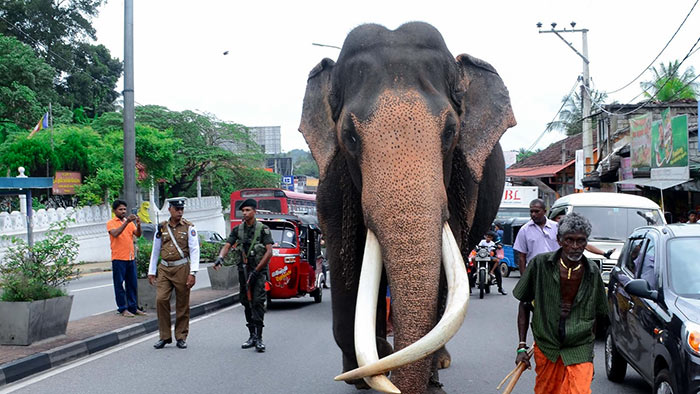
{"x": 301, "y": 357}
{"x": 93, "y": 294}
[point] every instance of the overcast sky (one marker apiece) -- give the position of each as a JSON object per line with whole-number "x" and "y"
{"x": 179, "y": 46}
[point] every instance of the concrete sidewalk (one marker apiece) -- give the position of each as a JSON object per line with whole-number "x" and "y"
{"x": 92, "y": 334}
{"x": 88, "y": 268}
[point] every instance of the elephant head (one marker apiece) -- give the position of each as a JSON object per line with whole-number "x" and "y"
{"x": 406, "y": 140}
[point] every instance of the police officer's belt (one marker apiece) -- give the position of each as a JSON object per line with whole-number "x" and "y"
{"x": 174, "y": 263}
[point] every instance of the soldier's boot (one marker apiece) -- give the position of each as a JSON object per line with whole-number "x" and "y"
{"x": 251, "y": 340}
{"x": 259, "y": 345}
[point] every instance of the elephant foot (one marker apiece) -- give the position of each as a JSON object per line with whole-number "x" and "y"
{"x": 443, "y": 358}
{"x": 434, "y": 385}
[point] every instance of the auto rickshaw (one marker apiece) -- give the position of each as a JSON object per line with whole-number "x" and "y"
{"x": 510, "y": 226}
{"x": 296, "y": 263}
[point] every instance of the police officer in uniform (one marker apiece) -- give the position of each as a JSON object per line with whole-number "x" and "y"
{"x": 253, "y": 242}
{"x": 176, "y": 245}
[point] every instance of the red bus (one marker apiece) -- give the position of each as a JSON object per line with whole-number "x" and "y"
{"x": 273, "y": 200}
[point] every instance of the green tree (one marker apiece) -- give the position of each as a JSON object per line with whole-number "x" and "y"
{"x": 572, "y": 113}
{"x": 205, "y": 142}
{"x": 26, "y": 84}
{"x": 92, "y": 82}
{"x": 524, "y": 154}
{"x": 60, "y": 31}
{"x": 304, "y": 163}
{"x": 668, "y": 84}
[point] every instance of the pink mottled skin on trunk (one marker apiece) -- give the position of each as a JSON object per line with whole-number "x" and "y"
{"x": 405, "y": 204}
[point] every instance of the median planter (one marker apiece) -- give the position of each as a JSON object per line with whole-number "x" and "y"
{"x": 147, "y": 294}
{"x": 225, "y": 278}
{"x": 26, "y": 322}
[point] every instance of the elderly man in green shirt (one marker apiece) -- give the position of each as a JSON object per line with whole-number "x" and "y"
{"x": 565, "y": 293}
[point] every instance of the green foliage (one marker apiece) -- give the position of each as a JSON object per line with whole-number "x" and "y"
{"x": 36, "y": 273}
{"x": 304, "y": 163}
{"x": 26, "y": 83}
{"x": 572, "y": 113}
{"x": 32, "y": 154}
{"x": 208, "y": 251}
{"x": 668, "y": 84}
{"x": 59, "y": 30}
{"x": 524, "y": 154}
{"x": 143, "y": 257}
{"x": 202, "y": 149}
{"x": 101, "y": 187}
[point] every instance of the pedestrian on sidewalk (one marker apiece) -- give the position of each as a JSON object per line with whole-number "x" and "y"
{"x": 253, "y": 242}
{"x": 176, "y": 245}
{"x": 121, "y": 231}
{"x": 562, "y": 329}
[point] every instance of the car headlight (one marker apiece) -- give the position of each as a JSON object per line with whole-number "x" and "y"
{"x": 692, "y": 337}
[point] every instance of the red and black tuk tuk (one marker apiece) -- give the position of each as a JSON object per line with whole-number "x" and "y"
{"x": 296, "y": 262}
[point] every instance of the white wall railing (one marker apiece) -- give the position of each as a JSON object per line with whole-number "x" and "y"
{"x": 89, "y": 225}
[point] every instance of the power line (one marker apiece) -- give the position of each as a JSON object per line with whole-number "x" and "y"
{"x": 548, "y": 128}
{"x": 652, "y": 97}
{"x": 662, "y": 51}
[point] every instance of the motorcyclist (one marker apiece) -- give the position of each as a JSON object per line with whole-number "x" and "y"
{"x": 488, "y": 242}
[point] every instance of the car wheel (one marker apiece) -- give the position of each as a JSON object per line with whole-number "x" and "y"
{"x": 663, "y": 383}
{"x": 615, "y": 364}
{"x": 505, "y": 270}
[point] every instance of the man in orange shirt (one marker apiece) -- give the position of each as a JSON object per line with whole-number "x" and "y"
{"x": 121, "y": 231}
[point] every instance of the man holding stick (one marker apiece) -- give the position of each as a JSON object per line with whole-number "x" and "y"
{"x": 565, "y": 293}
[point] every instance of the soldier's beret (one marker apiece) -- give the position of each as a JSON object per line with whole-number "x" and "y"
{"x": 249, "y": 203}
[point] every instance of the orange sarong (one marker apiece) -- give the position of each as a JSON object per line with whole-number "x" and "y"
{"x": 557, "y": 378}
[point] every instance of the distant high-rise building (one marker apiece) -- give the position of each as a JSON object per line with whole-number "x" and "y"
{"x": 268, "y": 137}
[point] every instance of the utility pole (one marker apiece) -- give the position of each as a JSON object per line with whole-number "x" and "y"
{"x": 129, "y": 132}
{"x": 585, "y": 88}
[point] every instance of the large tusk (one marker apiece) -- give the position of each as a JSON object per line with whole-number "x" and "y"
{"x": 365, "y": 313}
{"x": 447, "y": 327}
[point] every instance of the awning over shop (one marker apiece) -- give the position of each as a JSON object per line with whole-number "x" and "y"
{"x": 657, "y": 183}
{"x": 537, "y": 172}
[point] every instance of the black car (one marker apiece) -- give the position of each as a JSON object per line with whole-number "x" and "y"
{"x": 654, "y": 299}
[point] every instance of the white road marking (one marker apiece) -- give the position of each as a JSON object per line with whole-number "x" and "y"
{"x": 90, "y": 288}
{"x": 52, "y": 372}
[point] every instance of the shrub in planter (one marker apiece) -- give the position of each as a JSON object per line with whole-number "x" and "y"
{"x": 33, "y": 304}
{"x": 38, "y": 273}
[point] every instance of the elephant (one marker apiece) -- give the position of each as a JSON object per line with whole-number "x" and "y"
{"x": 406, "y": 138}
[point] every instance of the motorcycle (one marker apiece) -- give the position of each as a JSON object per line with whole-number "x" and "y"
{"x": 482, "y": 265}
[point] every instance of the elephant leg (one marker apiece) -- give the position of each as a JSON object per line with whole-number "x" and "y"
{"x": 343, "y": 228}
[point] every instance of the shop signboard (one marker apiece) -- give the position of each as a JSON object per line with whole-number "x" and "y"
{"x": 64, "y": 182}
{"x": 640, "y": 147}
{"x": 669, "y": 147}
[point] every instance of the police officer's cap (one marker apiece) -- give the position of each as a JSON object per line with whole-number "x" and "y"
{"x": 177, "y": 202}
{"x": 249, "y": 203}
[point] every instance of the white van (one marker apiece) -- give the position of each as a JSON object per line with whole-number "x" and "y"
{"x": 613, "y": 216}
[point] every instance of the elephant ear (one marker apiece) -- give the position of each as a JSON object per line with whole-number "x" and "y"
{"x": 485, "y": 111}
{"x": 317, "y": 124}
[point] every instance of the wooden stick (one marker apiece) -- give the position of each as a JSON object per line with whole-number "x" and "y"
{"x": 515, "y": 373}
{"x": 506, "y": 378}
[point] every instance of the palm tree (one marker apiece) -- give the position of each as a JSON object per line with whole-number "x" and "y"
{"x": 670, "y": 85}
{"x": 571, "y": 114}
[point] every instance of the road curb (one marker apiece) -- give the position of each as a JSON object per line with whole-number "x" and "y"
{"x": 21, "y": 368}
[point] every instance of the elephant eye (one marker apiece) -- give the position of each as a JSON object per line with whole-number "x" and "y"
{"x": 448, "y": 134}
{"x": 350, "y": 138}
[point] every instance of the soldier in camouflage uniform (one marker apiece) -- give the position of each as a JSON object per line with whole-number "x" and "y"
{"x": 175, "y": 261}
{"x": 253, "y": 242}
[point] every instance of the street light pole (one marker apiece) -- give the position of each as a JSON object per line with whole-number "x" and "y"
{"x": 585, "y": 89}
{"x": 129, "y": 132}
